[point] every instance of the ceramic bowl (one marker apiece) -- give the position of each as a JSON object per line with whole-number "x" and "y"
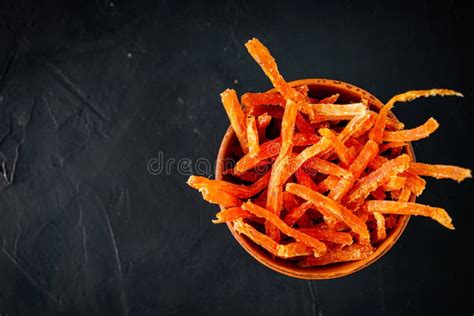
{"x": 318, "y": 88}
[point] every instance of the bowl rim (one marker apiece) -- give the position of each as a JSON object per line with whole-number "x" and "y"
{"x": 321, "y": 272}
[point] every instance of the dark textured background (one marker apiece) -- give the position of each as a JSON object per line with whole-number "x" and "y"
{"x": 89, "y": 93}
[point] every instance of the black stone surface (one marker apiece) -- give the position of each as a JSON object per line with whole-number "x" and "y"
{"x": 91, "y": 92}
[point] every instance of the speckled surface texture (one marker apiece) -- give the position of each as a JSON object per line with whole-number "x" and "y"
{"x": 91, "y": 93}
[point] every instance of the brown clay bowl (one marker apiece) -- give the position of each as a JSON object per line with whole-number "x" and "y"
{"x": 318, "y": 88}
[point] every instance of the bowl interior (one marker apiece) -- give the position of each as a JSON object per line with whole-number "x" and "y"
{"x": 318, "y": 88}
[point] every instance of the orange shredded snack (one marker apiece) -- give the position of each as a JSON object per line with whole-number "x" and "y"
{"x": 408, "y": 208}
{"x": 273, "y": 111}
{"x": 350, "y": 253}
{"x": 221, "y": 198}
{"x": 413, "y": 134}
{"x": 271, "y": 149}
{"x": 356, "y": 127}
{"x": 262, "y": 123}
{"x": 295, "y": 214}
{"x": 239, "y": 191}
{"x": 440, "y": 171}
{"x": 249, "y": 176}
{"x": 366, "y": 155}
{"x": 292, "y": 147}
{"x": 377, "y": 162}
{"x": 302, "y": 125}
{"x": 391, "y": 123}
{"x": 395, "y": 183}
{"x": 262, "y": 56}
{"x": 394, "y": 124}
{"x": 230, "y": 214}
{"x": 380, "y": 232}
{"x": 260, "y": 239}
{"x": 304, "y": 179}
{"x": 387, "y": 146}
{"x": 291, "y": 250}
{"x": 327, "y": 184}
{"x": 306, "y": 154}
{"x": 333, "y": 112}
{"x": 376, "y": 133}
{"x": 236, "y": 116}
{"x": 327, "y": 167}
{"x": 329, "y": 235}
{"x": 378, "y": 194}
{"x": 341, "y": 187}
{"x": 304, "y": 221}
{"x": 354, "y": 143}
{"x": 330, "y": 100}
{"x": 252, "y": 136}
{"x": 250, "y": 100}
{"x": 341, "y": 150}
{"x": 294, "y": 249}
{"x": 275, "y": 185}
{"x": 318, "y": 246}
{"x": 378, "y": 177}
{"x": 414, "y": 183}
{"x": 289, "y": 201}
{"x": 415, "y": 94}
{"x": 330, "y": 208}
{"x": 258, "y": 104}
{"x": 391, "y": 221}
{"x": 404, "y": 195}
